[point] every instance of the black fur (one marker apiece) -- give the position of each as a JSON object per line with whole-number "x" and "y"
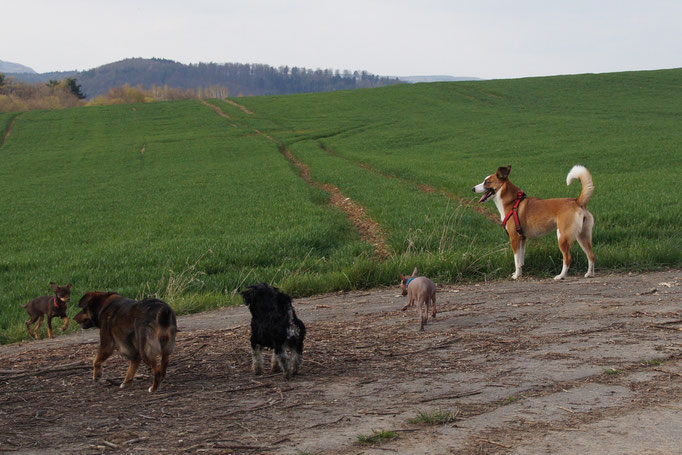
{"x": 274, "y": 325}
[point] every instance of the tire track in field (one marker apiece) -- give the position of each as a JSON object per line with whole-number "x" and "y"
{"x": 218, "y": 111}
{"x": 423, "y": 187}
{"x": 370, "y": 231}
{"x": 9, "y": 130}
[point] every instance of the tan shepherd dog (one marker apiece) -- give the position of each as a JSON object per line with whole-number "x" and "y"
{"x": 530, "y": 217}
{"x": 140, "y": 331}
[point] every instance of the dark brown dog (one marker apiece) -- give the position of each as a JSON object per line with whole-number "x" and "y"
{"x": 140, "y": 330}
{"x": 50, "y": 306}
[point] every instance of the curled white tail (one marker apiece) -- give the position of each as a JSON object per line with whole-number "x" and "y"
{"x": 581, "y": 173}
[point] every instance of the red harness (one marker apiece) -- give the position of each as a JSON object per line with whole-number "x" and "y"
{"x": 54, "y": 300}
{"x": 514, "y": 212}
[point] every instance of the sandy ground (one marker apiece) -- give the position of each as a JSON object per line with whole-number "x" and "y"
{"x": 535, "y": 366}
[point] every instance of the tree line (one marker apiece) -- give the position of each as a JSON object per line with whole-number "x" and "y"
{"x": 241, "y": 79}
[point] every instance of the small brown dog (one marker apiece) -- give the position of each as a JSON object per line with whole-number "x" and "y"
{"x": 50, "y": 306}
{"x": 422, "y": 290}
{"x": 140, "y": 330}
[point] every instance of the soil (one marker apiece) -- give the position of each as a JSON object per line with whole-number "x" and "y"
{"x": 535, "y": 366}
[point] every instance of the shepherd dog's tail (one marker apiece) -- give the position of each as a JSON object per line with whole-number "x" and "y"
{"x": 161, "y": 333}
{"x": 581, "y": 173}
{"x": 166, "y": 328}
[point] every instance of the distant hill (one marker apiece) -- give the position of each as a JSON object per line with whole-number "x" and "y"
{"x": 9, "y": 67}
{"x": 416, "y": 79}
{"x": 239, "y": 78}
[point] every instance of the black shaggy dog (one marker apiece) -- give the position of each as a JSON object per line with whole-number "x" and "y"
{"x": 274, "y": 325}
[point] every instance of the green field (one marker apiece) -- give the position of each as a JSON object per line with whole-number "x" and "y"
{"x": 171, "y": 199}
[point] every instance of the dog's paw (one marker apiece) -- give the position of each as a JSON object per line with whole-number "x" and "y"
{"x": 589, "y": 275}
{"x": 559, "y": 277}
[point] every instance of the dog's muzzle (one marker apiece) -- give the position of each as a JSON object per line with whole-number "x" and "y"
{"x": 84, "y": 320}
{"x": 489, "y": 192}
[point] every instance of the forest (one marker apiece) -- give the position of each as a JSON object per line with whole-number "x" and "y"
{"x": 241, "y": 79}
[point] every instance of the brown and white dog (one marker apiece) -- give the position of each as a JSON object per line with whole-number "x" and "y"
{"x": 530, "y": 217}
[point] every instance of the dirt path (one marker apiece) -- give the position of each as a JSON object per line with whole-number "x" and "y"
{"x": 369, "y": 230}
{"x": 536, "y": 366}
{"x": 9, "y": 130}
{"x": 425, "y": 188}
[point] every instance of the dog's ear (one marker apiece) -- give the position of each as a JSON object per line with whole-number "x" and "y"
{"x": 53, "y": 286}
{"x": 503, "y": 172}
{"x": 84, "y": 302}
{"x": 247, "y": 295}
{"x": 415, "y": 272}
{"x": 69, "y": 285}
{"x": 401, "y": 276}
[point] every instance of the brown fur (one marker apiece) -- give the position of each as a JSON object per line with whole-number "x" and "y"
{"x": 142, "y": 331}
{"x": 43, "y": 306}
{"x": 569, "y": 216}
{"x": 423, "y": 291}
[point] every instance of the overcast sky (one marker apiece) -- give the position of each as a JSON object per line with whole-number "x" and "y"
{"x": 480, "y": 38}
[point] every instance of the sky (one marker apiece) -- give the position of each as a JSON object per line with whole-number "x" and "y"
{"x": 489, "y": 39}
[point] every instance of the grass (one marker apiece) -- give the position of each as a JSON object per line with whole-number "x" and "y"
{"x": 438, "y": 417}
{"x": 612, "y": 371}
{"x": 509, "y": 400}
{"x": 377, "y": 437}
{"x": 208, "y": 208}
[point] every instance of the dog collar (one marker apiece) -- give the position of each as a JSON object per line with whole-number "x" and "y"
{"x": 409, "y": 280}
{"x": 54, "y": 300}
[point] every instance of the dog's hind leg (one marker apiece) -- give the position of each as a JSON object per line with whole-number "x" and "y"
{"x": 130, "y": 374}
{"x": 256, "y": 357}
{"x": 33, "y": 320}
{"x": 156, "y": 374}
{"x": 585, "y": 242}
{"x": 158, "y": 371}
{"x": 274, "y": 363}
{"x": 283, "y": 360}
{"x": 565, "y": 247}
{"x": 433, "y": 306}
{"x": 37, "y": 326}
{"x": 423, "y": 313}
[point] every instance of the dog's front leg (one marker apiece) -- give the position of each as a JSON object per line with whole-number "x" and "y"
{"x": 256, "y": 357}
{"x": 49, "y": 327}
{"x": 410, "y": 302}
{"x": 518, "y": 247}
{"x": 102, "y": 355}
{"x": 130, "y": 374}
